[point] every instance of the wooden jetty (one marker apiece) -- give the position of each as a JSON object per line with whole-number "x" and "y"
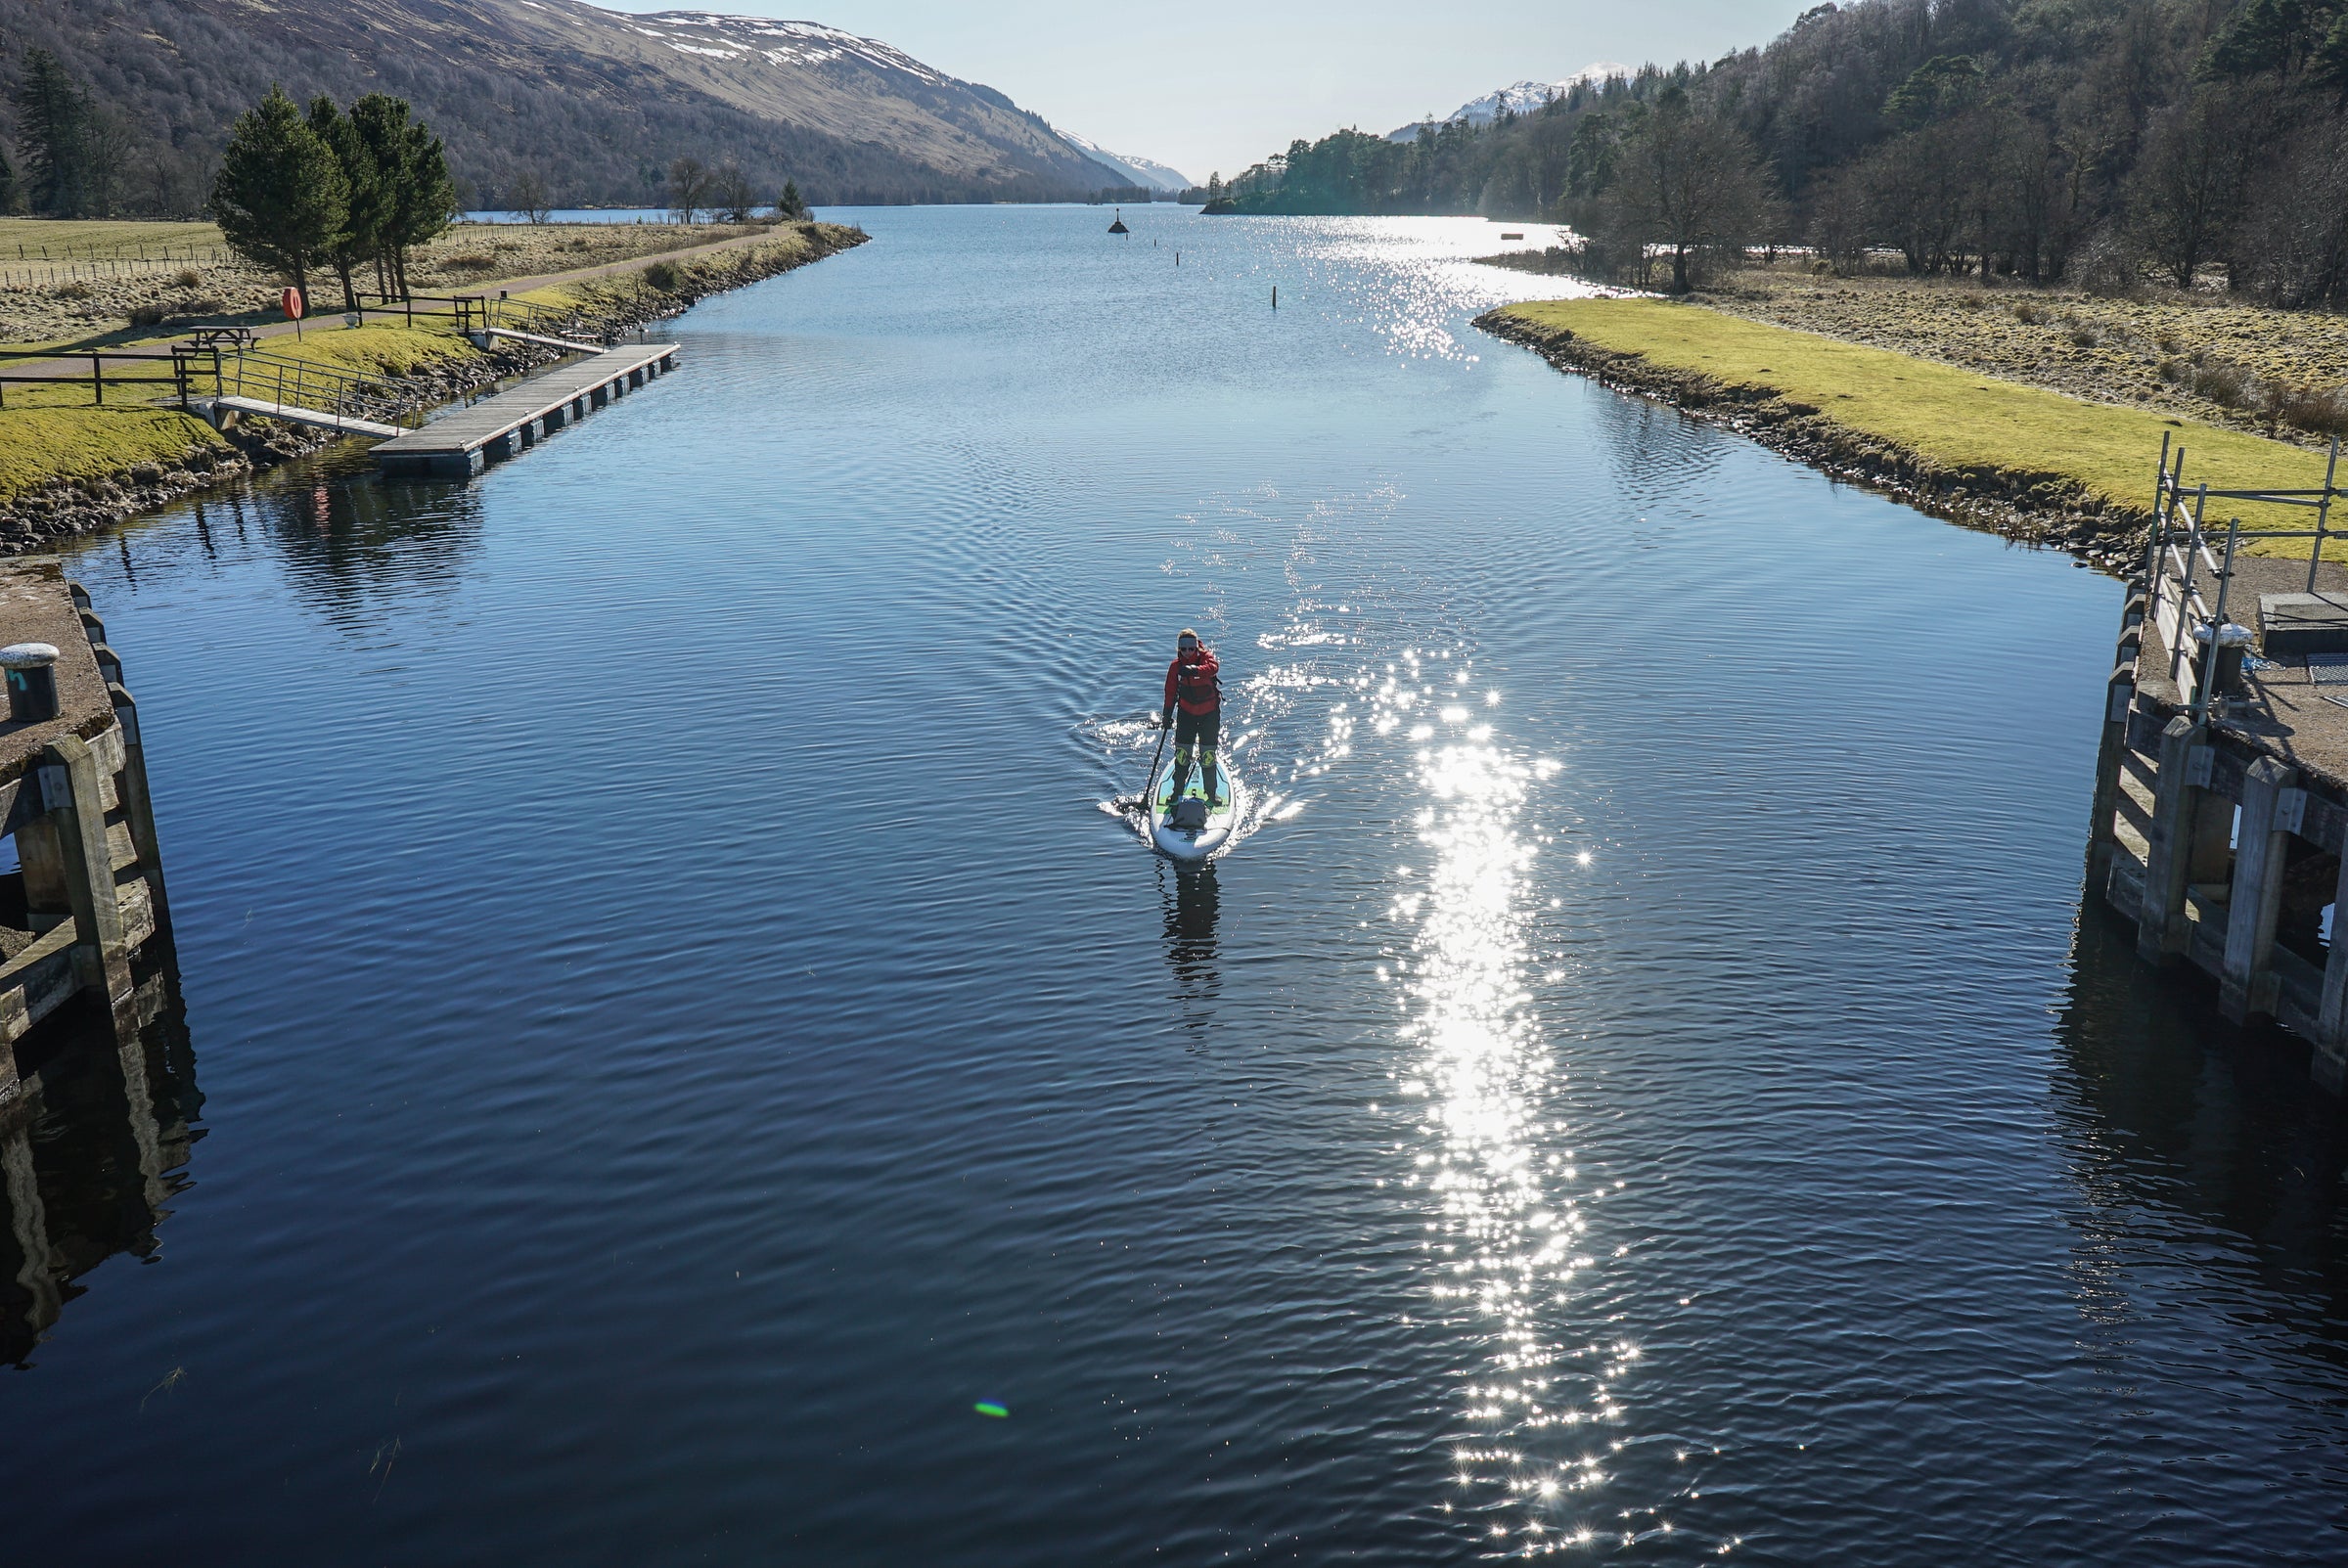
{"x": 89, "y": 894}
{"x": 460, "y": 442}
{"x": 2220, "y": 823}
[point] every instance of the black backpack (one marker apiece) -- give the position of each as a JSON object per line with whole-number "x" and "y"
{"x": 1189, "y": 814}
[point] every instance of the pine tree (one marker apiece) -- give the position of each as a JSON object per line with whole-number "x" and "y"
{"x": 53, "y": 124}
{"x": 419, "y": 198}
{"x": 367, "y": 204}
{"x": 792, "y": 205}
{"x": 281, "y": 198}
{"x": 8, "y": 184}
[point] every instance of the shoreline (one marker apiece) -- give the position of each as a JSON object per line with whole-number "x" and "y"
{"x": 2038, "y": 498}
{"x": 1842, "y": 454}
{"x": 182, "y": 455}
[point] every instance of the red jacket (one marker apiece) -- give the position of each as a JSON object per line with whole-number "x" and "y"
{"x": 1191, "y": 681}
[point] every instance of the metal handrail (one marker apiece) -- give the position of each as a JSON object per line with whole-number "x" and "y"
{"x": 2178, "y": 550}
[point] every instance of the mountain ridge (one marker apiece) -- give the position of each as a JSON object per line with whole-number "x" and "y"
{"x": 594, "y": 102}
{"x": 1518, "y": 98}
{"x": 1142, "y": 171}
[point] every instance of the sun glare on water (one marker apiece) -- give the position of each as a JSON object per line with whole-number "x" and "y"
{"x": 1504, "y": 1237}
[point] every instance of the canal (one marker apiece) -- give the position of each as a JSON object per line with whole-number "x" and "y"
{"x": 671, "y": 1031}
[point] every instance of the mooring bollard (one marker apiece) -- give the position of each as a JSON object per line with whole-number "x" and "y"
{"x": 32, "y": 682}
{"x": 2234, "y": 642}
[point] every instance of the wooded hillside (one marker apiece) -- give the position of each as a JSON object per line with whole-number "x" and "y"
{"x": 595, "y": 105}
{"x": 2102, "y": 140}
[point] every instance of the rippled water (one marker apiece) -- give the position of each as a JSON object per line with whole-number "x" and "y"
{"x": 669, "y": 1032}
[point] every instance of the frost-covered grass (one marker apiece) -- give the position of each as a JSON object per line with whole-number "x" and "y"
{"x": 1958, "y": 419}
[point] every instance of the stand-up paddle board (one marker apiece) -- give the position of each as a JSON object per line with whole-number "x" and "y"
{"x": 1195, "y": 843}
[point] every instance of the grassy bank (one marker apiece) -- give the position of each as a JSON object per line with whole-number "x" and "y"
{"x": 1951, "y": 430}
{"x": 58, "y": 438}
{"x": 53, "y": 434}
{"x": 42, "y": 446}
{"x": 660, "y": 284}
{"x": 2209, "y": 356}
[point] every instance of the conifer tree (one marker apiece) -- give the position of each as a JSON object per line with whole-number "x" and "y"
{"x": 367, "y": 204}
{"x": 792, "y": 205}
{"x": 53, "y": 124}
{"x": 281, "y": 198}
{"x": 419, "y": 198}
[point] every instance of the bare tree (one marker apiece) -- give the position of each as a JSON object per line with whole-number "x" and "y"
{"x": 689, "y": 182}
{"x": 1690, "y": 185}
{"x": 732, "y": 193}
{"x": 1837, "y": 226}
{"x": 526, "y": 195}
{"x": 2187, "y": 186}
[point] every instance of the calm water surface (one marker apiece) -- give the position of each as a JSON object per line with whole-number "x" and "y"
{"x": 668, "y": 1027}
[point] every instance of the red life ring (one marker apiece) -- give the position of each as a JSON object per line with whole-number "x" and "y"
{"x": 291, "y": 299}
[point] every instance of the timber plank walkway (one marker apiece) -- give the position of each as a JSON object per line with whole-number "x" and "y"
{"x": 460, "y": 442}
{"x": 214, "y": 408}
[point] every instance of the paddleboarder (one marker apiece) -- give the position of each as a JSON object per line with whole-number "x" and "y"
{"x": 1194, "y": 708}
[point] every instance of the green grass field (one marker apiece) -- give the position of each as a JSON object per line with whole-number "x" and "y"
{"x": 104, "y": 235}
{"x": 1960, "y": 419}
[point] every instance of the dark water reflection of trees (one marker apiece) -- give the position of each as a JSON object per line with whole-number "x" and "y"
{"x": 352, "y": 546}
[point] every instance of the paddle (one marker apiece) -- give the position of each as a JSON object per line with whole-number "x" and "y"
{"x": 1140, "y": 801}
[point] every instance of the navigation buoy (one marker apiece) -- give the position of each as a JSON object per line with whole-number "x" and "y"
{"x": 1118, "y": 224}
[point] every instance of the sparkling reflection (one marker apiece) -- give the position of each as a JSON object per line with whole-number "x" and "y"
{"x": 1543, "y": 1414}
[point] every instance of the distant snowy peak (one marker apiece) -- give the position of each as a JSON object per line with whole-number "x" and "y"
{"x": 1521, "y": 98}
{"x": 1137, "y": 170}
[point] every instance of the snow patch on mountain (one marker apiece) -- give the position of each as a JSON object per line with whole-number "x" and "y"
{"x": 1135, "y": 171}
{"x": 783, "y": 42}
{"x": 1519, "y": 98}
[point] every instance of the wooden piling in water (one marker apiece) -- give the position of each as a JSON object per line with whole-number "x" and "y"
{"x": 75, "y": 795}
{"x": 2246, "y": 985}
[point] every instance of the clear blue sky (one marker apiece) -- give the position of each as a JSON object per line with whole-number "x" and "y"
{"x": 1216, "y": 84}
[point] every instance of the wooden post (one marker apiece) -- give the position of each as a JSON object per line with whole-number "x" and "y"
{"x": 2111, "y": 755}
{"x": 2160, "y": 924}
{"x": 2247, "y": 984}
{"x": 138, "y": 803}
{"x": 71, "y": 789}
{"x": 2329, "y": 1066}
